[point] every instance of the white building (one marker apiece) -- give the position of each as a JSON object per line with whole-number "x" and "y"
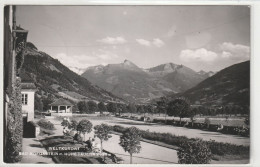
{"x": 61, "y": 107}
{"x": 28, "y": 95}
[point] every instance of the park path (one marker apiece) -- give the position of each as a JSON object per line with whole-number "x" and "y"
{"x": 31, "y": 147}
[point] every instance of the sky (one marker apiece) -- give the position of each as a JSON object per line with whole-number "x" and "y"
{"x": 207, "y": 38}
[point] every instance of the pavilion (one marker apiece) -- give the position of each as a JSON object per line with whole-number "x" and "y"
{"x": 61, "y": 107}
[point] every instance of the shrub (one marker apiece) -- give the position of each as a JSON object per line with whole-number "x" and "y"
{"x": 46, "y": 124}
{"x": 78, "y": 138}
{"x": 207, "y": 122}
{"x": 194, "y": 152}
{"x": 14, "y": 125}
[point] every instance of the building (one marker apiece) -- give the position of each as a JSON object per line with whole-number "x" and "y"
{"x": 28, "y": 95}
{"x": 14, "y": 48}
{"x": 61, "y": 107}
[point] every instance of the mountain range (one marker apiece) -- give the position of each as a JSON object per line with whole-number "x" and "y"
{"x": 230, "y": 86}
{"x": 53, "y": 78}
{"x": 135, "y": 84}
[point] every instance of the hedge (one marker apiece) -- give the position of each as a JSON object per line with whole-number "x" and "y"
{"x": 14, "y": 125}
{"x": 217, "y": 148}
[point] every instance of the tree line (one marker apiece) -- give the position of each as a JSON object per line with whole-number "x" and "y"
{"x": 180, "y": 107}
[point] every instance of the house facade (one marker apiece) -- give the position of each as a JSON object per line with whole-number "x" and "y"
{"x": 28, "y": 96}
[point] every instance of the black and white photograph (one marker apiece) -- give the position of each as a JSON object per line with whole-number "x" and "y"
{"x": 126, "y": 84}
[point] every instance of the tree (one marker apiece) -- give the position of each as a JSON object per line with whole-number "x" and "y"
{"x": 102, "y": 132}
{"x": 130, "y": 141}
{"x": 38, "y": 105}
{"x": 122, "y": 108}
{"x": 83, "y": 107}
{"x": 92, "y": 106}
{"x": 194, "y": 152}
{"x": 73, "y": 125}
{"x": 112, "y": 107}
{"x": 140, "y": 109}
{"x": 150, "y": 109}
{"x": 131, "y": 108}
{"x": 46, "y": 102}
{"x": 84, "y": 126}
{"x": 65, "y": 123}
{"x": 162, "y": 106}
{"x": 102, "y": 107}
{"x": 179, "y": 107}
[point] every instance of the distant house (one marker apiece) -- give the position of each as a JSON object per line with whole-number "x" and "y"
{"x": 28, "y": 95}
{"x": 61, "y": 107}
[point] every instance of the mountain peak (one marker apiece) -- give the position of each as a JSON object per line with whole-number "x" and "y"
{"x": 128, "y": 62}
{"x": 129, "y": 65}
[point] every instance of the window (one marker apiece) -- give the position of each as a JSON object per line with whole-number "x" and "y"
{"x": 24, "y": 99}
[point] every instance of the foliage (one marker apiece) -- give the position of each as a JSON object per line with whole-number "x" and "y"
{"x": 140, "y": 109}
{"x": 102, "y": 132}
{"x": 102, "y": 107}
{"x": 131, "y": 108}
{"x": 122, "y": 108}
{"x": 84, "y": 126}
{"x": 130, "y": 141}
{"x": 112, "y": 107}
{"x": 207, "y": 122}
{"x": 38, "y": 105}
{"x": 92, "y": 106}
{"x": 14, "y": 132}
{"x": 65, "y": 123}
{"x": 46, "y": 102}
{"x": 83, "y": 107}
{"x": 179, "y": 107}
{"x": 45, "y": 124}
{"x": 162, "y": 105}
{"x": 77, "y": 138}
{"x": 73, "y": 125}
{"x": 194, "y": 152}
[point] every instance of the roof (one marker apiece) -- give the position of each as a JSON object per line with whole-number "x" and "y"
{"x": 27, "y": 81}
{"x": 28, "y": 86}
{"x": 61, "y": 102}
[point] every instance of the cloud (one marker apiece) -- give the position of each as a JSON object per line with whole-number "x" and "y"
{"x": 201, "y": 55}
{"x": 125, "y": 13}
{"x": 172, "y": 31}
{"x": 143, "y": 42}
{"x": 235, "y": 51}
{"x": 79, "y": 61}
{"x": 158, "y": 43}
{"x": 155, "y": 42}
{"x": 83, "y": 61}
{"x": 226, "y": 54}
{"x": 106, "y": 55}
{"x": 111, "y": 40}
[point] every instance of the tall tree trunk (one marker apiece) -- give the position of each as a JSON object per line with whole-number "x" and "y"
{"x": 131, "y": 161}
{"x": 101, "y": 145}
